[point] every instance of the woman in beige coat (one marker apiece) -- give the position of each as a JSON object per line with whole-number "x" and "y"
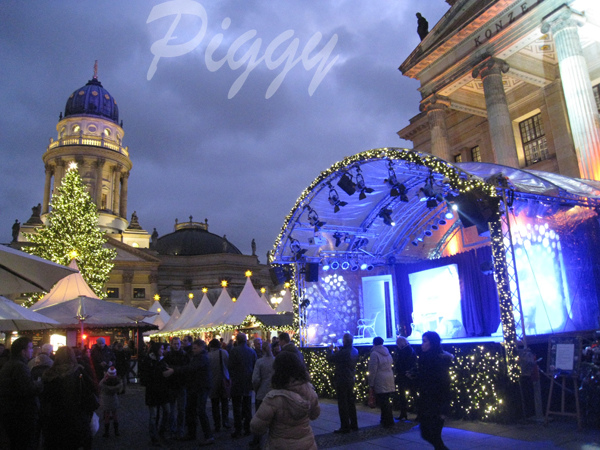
{"x": 381, "y": 380}
{"x": 288, "y": 408}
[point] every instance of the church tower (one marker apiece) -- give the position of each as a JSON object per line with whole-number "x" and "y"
{"x": 89, "y": 133}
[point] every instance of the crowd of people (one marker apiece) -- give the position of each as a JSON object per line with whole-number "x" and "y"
{"x": 51, "y": 398}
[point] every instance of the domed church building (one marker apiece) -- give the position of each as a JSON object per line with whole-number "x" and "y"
{"x": 171, "y": 268}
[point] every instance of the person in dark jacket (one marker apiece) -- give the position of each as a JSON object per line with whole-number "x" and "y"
{"x": 122, "y": 358}
{"x": 68, "y": 401}
{"x": 433, "y": 384}
{"x": 102, "y": 357}
{"x": 219, "y": 394}
{"x": 241, "y": 365}
{"x": 176, "y": 358}
{"x": 19, "y": 414}
{"x": 405, "y": 363}
{"x": 198, "y": 383}
{"x": 288, "y": 346}
{"x": 344, "y": 360}
{"x": 153, "y": 375}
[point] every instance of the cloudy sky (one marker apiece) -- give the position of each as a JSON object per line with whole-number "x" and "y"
{"x": 230, "y": 120}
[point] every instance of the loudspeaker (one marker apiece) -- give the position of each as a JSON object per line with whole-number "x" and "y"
{"x": 311, "y": 272}
{"x": 278, "y": 275}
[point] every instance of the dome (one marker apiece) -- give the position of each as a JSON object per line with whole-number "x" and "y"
{"x": 92, "y": 100}
{"x": 192, "y": 242}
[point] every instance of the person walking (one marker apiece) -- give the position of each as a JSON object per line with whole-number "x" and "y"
{"x": 198, "y": 376}
{"x": 405, "y": 363}
{"x": 344, "y": 360}
{"x": 261, "y": 381}
{"x": 19, "y": 397}
{"x": 381, "y": 380}
{"x": 110, "y": 388}
{"x": 175, "y": 358}
{"x": 68, "y": 401}
{"x": 288, "y": 408}
{"x": 102, "y": 357}
{"x": 153, "y": 375}
{"x": 221, "y": 384}
{"x": 433, "y": 385}
{"x": 241, "y": 365}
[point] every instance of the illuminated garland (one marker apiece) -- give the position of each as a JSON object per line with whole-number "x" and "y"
{"x": 477, "y": 376}
{"x": 73, "y": 227}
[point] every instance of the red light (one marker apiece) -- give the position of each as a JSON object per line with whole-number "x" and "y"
{"x": 84, "y": 337}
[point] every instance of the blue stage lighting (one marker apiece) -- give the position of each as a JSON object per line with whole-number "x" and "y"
{"x": 363, "y": 266}
{"x": 335, "y": 265}
{"x": 326, "y": 267}
{"x": 345, "y": 265}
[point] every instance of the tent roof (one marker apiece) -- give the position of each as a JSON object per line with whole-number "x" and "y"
{"x": 220, "y": 310}
{"x": 248, "y": 302}
{"x": 161, "y": 319}
{"x": 277, "y": 320}
{"x": 68, "y": 288}
{"x": 203, "y": 309}
{"x": 188, "y": 311}
{"x": 328, "y": 222}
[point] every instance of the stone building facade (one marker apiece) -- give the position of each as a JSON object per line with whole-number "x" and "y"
{"x": 513, "y": 82}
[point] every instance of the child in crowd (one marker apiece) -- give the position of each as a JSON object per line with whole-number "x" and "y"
{"x": 110, "y": 386}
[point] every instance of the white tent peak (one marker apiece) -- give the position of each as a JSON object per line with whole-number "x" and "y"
{"x": 248, "y": 302}
{"x": 70, "y": 287}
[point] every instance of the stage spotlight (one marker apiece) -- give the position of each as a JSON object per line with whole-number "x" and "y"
{"x": 335, "y": 265}
{"x": 432, "y": 203}
{"x": 428, "y": 232}
{"x": 434, "y": 226}
{"x": 370, "y": 267}
{"x": 449, "y": 215}
{"x": 305, "y": 303}
{"x": 339, "y": 238}
{"x": 296, "y": 249}
{"x": 360, "y": 184}
{"x": 346, "y": 184}
{"x": 313, "y": 218}
{"x": 415, "y": 242}
{"x": 326, "y": 267}
{"x": 363, "y": 266}
{"x": 345, "y": 265}
{"x": 354, "y": 267}
{"x": 442, "y": 221}
{"x": 334, "y": 199}
{"x": 386, "y": 215}
{"x": 454, "y": 207}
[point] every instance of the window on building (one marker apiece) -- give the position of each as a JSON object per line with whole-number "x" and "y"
{"x": 534, "y": 140}
{"x": 458, "y": 158}
{"x": 476, "y": 154}
{"x": 596, "y": 90}
{"x": 112, "y": 292}
{"x": 104, "y": 202}
{"x": 139, "y": 292}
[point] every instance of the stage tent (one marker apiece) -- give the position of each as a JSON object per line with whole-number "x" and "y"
{"x": 392, "y": 241}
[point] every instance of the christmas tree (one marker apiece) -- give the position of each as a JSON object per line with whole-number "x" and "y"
{"x": 72, "y": 232}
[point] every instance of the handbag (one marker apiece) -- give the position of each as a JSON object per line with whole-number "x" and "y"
{"x": 225, "y": 382}
{"x": 371, "y": 401}
{"x": 94, "y": 424}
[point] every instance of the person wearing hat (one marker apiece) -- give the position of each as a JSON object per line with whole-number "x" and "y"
{"x": 102, "y": 357}
{"x": 110, "y": 386}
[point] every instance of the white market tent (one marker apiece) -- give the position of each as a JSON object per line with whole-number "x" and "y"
{"x": 68, "y": 288}
{"x": 175, "y": 315}
{"x": 162, "y": 317}
{"x": 203, "y": 309}
{"x": 286, "y": 302}
{"x": 248, "y": 302}
{"x": 188, "y": 311}
{"x": 221, "y": 310}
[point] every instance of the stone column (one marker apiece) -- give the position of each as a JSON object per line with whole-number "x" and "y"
{"x": 577, "y": 87}
{"x": 47, "y": 184}
{"x": 59, "y": 173}
{"x": 115, "y": 190}
{"x": 127, "y": 291}
{"x": 99, "y": 177}
{"x": 123, "y": 201}
{"x": 436, "y": 107}
{"x": 501, "y": 131}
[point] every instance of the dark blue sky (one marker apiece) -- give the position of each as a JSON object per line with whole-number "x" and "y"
{"x": 241, "y": 160}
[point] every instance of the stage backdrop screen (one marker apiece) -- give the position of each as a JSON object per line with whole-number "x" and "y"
{"x": 436, "y": 302}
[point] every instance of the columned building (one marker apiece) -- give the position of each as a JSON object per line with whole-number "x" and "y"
{"x": 171, "y": 267}
{"x": 513, "y": 82}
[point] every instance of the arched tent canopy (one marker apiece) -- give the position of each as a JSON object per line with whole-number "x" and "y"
{"x": 391, "y": 186}
{"x": 413, "y": 191}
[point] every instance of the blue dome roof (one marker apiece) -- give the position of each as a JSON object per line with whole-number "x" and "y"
{"x": 92, "y": 100}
